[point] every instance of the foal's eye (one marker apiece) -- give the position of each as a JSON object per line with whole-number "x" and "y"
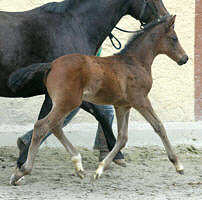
{"x": 174, "y": 38}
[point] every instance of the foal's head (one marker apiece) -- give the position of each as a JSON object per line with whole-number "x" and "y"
{"x": 168, "y": 42}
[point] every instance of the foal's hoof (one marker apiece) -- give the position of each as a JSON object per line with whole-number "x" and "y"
{"x": 96, "y": 176}
{"x": 18, "y": 175}
{"x": 15, "y": 180}
{"x": 180, "y": 172}
{"x": 80, "y": 174}
{"x": 180, "y": 169}
{"x": 99, "y": 170}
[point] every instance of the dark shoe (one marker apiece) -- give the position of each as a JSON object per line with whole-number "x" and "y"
{"x": 21, "y": 145}
{"x": 120, "y": 162}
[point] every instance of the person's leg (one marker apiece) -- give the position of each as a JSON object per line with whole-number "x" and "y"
{"x": 100, "y": 141}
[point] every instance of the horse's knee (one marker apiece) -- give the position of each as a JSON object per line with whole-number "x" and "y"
{"x": 40, "y": 129}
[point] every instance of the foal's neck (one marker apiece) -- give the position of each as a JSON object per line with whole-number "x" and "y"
{"x": 142, "y": 49}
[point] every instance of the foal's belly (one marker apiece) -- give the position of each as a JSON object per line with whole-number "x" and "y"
{"x": 105, "y": 97}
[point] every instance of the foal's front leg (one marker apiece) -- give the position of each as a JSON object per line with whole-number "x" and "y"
{"x": 148, "y": 113}
{"x": 122, "y": 114}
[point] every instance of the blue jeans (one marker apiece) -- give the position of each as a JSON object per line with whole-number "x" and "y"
{"x": 100, "y": 142}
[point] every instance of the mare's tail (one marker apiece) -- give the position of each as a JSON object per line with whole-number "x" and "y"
{"x": 29, "y": 78}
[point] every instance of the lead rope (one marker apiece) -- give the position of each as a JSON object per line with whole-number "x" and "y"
{"x": 111, "y": 36}
{"x": 146, "y": 3}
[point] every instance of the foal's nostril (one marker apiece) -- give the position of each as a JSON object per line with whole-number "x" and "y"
{"x": 186, "y": 58}
{"x": 183, "y": 60}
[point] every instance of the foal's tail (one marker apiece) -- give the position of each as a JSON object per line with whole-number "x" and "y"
{"x": 29, "y": 77}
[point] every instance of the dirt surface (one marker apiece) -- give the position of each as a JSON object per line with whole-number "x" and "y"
{"x": 148, "y": 175}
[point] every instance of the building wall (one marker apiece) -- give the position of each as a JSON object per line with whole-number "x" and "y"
{"x": 173, "y": 90}
{"x": 198, "y": 61}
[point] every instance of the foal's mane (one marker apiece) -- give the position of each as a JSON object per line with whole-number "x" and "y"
{"x": 61, "y": 7}
{"x": 140, "y": 32}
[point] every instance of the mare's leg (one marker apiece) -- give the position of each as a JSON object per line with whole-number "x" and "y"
{"x": 122, "y": 114}
{"x": 148, "y": 113}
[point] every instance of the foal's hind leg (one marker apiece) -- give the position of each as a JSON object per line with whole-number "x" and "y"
{"x": 147, "y": 111}
{"x": 76, "y": 157}
{"x": 41, "y": 128}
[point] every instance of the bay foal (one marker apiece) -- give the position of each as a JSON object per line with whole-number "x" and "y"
{"x": 123, "y": 80}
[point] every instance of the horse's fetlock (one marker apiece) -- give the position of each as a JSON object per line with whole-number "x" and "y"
{"x": 173, "y": 159}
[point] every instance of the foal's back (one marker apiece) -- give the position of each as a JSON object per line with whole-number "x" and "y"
{"x": 100, "y": 80}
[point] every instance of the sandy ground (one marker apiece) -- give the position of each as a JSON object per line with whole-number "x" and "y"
{"x": 148, "y": 175}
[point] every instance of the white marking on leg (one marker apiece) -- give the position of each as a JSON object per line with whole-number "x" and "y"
{"x": 77, "y": 162}
{"x": 99, "y": 170}
{"x": 179, "y": 167}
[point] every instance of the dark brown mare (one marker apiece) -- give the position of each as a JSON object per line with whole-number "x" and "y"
{"x": 55, "y": 29}
{"x": 123, "y": 80}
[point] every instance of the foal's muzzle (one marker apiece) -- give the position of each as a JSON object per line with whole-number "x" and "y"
{"x": 183, "y": 60}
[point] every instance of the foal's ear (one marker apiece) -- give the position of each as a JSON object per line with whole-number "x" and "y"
{"x": 170, "y": 23}
{"x": 172, "y": 20}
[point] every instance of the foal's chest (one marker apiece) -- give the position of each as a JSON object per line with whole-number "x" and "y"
{"x": 139, "y": 80}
